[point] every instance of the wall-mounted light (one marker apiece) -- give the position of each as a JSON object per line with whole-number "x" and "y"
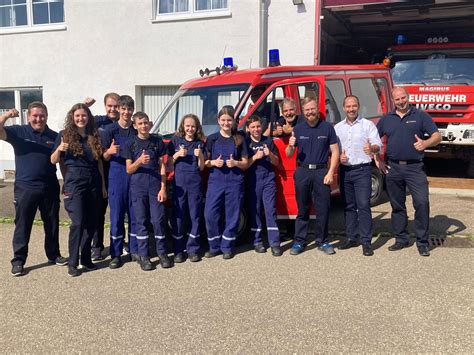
{"x": 297, "y": 2}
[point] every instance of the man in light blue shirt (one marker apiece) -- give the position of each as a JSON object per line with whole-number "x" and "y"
{"x": 359, "y": 139}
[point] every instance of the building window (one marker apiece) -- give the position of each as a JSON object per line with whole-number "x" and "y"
{"x": 186, "y": 9}
{"x": 28, "y": 13}
{"x": 19, "y": 99}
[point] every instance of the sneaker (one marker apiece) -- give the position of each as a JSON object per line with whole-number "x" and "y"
{"x": 73, "y": 271}
{"x": 327, "y": 249}
{"x": 259, "y": 248}
{"x": 165, "y": 261}
{"x": 211, "y": 254}
{"x": 17, "y": 270}
{"x": 276, "y": 251}
{"x": 194, "y": 258}
{"x": 61, "y": 261}
{"x": 297, "y": 248}
{"x": 180, "y": 258}
{"x": 228, "y": 255}
{"x": 97, "y": 255}
{"x": 145, "y": 263}
{"x": 116, "y": 262}
{"x": 88, "y": 266}
{"x": 423, "y": 250}
{"x": 126, "y": 250}
{"x": 367, "y": 250}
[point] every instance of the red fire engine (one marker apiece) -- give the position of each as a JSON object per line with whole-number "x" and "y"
{"x": 439, "y": 77}
{"x": 256, "y": 91}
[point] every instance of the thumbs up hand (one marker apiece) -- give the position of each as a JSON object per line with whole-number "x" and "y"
{"x": 258, "y": 155}
{"x": 114, "y": 148}
{"x": 197, "y": 151}
{"x": 231, "y": 162}
{"x": 266, "y": 151}
{"x": 63, "y": 146}
{"x": 420, "y": 144}
{"x": 144, "y": 158}
{"x": 343, "y": 157}
{"x": 367, "y": 147}
{"x": 292, "y": 140}
{"x": 219, "y": 162}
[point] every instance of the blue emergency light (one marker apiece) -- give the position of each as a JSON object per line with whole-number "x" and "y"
{"x": 401, "y": 39}
{"x": 273, "y": 58}
{"x": 228, "y": 62}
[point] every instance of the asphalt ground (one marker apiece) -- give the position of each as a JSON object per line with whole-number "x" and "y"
{"x": 254, "y": 303}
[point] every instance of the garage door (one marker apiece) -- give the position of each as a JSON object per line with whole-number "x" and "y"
{"x": 155, "y": 98}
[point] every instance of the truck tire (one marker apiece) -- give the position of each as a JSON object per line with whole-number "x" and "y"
{"x": 243, "y": 235}
{"x": 376, "y": 194}
{"x": 470, "y": 168}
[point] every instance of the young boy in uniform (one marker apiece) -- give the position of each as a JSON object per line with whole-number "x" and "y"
{"x": 114, "y": 139}
{"x": 144, "y": 161}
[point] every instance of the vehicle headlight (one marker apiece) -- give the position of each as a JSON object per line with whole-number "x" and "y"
{"x": 468, "y": 134}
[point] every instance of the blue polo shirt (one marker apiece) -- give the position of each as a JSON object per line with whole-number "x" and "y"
{"x": 189, "y": 162}
{"x": 32, "y": 155}
{"x": 85, "y": 160}
{"x": 401, "y": 132}
{"x": 264, "y": 164}
{"x": 121, "y": 136}
{"x": 103, "y": 121}
{"x": 313, "y": 142}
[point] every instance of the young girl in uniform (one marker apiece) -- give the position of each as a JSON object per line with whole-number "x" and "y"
{"x": 227, "y": 159}
{"x": 185, "y": 150}
{"x": 144, "y": 161}
{"x": 79, "y": 148}
{"x": 261, "y": 188}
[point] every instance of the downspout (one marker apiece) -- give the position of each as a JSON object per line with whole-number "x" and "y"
{"x": 317, "y": 32}
{"x": 263, "y": 34}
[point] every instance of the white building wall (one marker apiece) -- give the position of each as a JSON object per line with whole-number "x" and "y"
{"x": 114, "y": 45}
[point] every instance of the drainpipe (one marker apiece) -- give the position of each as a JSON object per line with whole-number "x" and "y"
{"x": 263, "y": 34}
{"x": 317, "y": 32}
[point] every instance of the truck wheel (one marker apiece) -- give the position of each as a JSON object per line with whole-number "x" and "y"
{"x": 470, "y": 168}
{"x": 242, "y": 229}
{"x": 377, "y": 187}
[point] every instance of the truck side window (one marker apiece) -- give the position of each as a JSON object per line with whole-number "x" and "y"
{"x": 372, "y": 100}
{"x": 335, "y": 93}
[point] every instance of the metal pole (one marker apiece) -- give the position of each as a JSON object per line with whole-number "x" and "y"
{"x": 263, "y": 34}
{"x": 317, "y": 32}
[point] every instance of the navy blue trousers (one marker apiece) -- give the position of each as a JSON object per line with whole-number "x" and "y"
{"x": 82, "y": 193}
{"x": 356, "y": 187}
{"x": 27, "y": 202}
{"x": 187, "y": 198}
{"x": 309, "y": 187}
{"x": 413, "y": 176}
{"x": 261, "y": 192}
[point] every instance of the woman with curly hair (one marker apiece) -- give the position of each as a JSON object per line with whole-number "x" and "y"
{"x": 79, "y": 151}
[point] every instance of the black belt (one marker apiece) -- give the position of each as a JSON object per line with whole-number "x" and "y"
{"x": 353, "y": 167}
{"x": 312, "y": 166}
{"x": 405, "y": 162}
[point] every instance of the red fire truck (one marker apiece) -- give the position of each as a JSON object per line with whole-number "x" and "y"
{"x": 329, "y": 84}
{"x": 439, "y": 76}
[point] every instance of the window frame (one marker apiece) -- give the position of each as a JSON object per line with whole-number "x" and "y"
{"x": 23, "y": 119}
{"x": 30, "y": 26}
{"x": 191, "y": 14}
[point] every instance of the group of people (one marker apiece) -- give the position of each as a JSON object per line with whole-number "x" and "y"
{"x": 114, "y": 160}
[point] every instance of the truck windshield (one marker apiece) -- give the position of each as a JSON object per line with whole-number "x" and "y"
{"x": 434, "y": 71}
{"x": 205, "y": 102}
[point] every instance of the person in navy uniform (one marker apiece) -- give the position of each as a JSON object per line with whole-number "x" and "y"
{"x": 288, "y": 120}
{"x": 114, "y": 139}
{"x": 102, "y": 121}
{"x": 406, "y": 128}
{"x": 261, "y": 188}
{"x": 359, "y": 140}
{"x": 185, "y": 154}
{"x": 315, "y": 140}
{"x": 144, "y": 161}
{"x": 227, "y": 153}
{"x": 36, "y": 185}
{"x": 79, "y": 148}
